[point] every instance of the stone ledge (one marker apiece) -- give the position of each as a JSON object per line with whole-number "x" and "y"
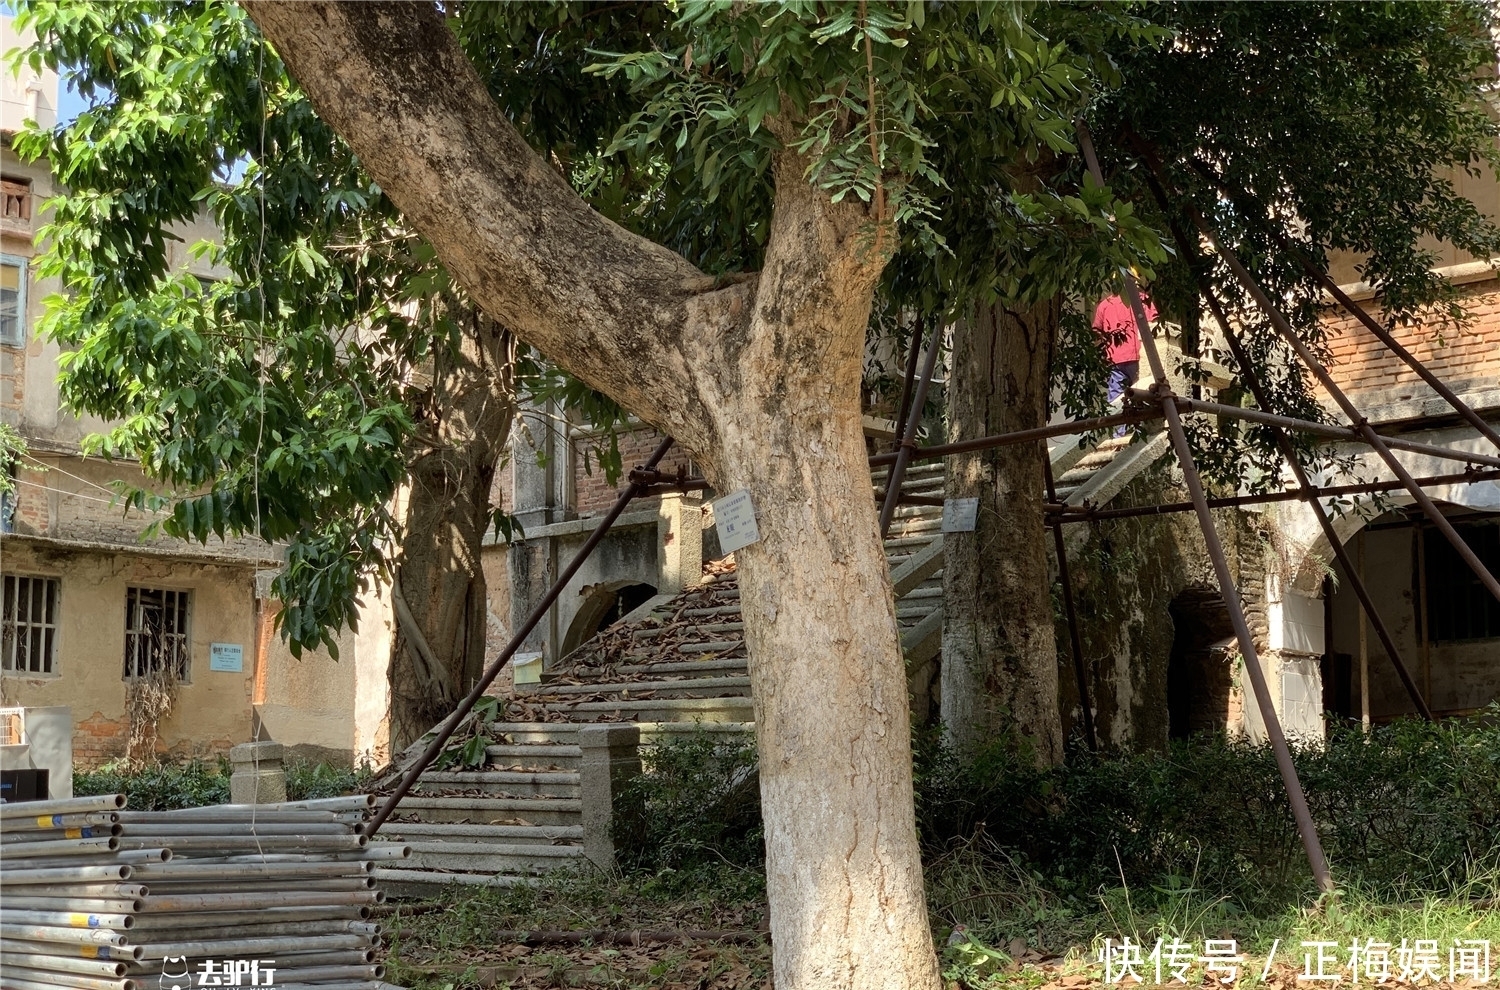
{"x": 575, "y": 527}
{"x": 1481, "y": 400}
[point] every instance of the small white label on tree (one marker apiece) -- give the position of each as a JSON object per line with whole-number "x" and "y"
{"x": 960, "y": 515}
{"x": 734, "y": 516}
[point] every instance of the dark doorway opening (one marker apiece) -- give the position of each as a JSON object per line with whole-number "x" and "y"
{"x": 605, "y": 607}
{"x": 1198, "y": 671}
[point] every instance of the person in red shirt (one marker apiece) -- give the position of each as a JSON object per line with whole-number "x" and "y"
{"x": 1114, "y": 323}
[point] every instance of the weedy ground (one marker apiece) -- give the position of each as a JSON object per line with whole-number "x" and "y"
{"x": 1030, "y": 871}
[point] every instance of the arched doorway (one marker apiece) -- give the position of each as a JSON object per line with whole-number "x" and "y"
{"x": 604, "y": 605}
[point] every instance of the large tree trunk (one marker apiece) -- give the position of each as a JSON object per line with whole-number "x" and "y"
{"x": 999, "y": 672}
{"x": 758, "y": 378}
{"x": 843, "y": 869}
{"x": 438, "y": 585}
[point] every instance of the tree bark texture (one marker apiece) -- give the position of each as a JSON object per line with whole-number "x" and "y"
{"x": 441, "y": 602}
{"x": 759, "y": 379}
{"x": 999, "y": 667}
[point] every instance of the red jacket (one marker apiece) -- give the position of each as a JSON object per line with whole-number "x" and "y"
{"x": 1115, "y": 324}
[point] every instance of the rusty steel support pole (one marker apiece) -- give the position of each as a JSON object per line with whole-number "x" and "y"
{"x": 909, "y": 432}
{"x": 1347, "y": 434}
{"x": 409, "y": 778}
{"x": 1352, "y": 574}
{"x": 1295, "y": 797}
{"x": 913, "y": 350}
{"x": 1284, "y": 329}
{"x": 1073, "y": 636}
{"x": 1355, "y": 575}
{"x": 1026, "y": 436}
{"x": 1072, "y": 514}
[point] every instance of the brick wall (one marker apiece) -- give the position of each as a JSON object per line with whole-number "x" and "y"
{"x": 1463, "y": 358}
{"x": 592, "y": 493}
{"x": 98, "y": 739}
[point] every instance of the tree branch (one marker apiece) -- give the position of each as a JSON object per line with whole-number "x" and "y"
{"x": 596, "y": 299}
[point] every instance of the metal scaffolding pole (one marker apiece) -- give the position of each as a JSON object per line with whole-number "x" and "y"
{"x": 1082, "y": 513}
{"x": 1298, "y": 801}
{"x": 448, "y": 727}
{"x": 913, "y": 350}
{"x": 1284, "y": 329}
{"x": 1127, "y": 418}
{"x": 1343, "y": 433}
{"x": 909, "y": 432}
{"x": 1354, "y": 575}
{"x": 1074, "y": 638}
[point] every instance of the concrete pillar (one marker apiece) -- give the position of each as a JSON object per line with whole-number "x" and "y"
{"x": 535, "y": 457}
{"x": 258, "y": 776}
{"x": 679, "y": 542}
{"x": 611, "y": 758}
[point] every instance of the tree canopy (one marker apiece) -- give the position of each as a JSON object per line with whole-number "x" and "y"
{"x": 691, "y": 209}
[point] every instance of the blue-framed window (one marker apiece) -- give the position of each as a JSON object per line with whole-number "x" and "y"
{"x": 12, "y": 300}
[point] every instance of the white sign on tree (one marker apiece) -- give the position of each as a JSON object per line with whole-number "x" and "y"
{"x": 734, "y": 517}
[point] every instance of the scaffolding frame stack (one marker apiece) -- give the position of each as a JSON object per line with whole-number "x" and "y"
{"x": 95, "y": 897}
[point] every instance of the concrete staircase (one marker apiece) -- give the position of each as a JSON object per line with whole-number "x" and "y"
{"x": 675, "y": 665}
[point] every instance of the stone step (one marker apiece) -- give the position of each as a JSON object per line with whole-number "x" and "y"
{"x": 519, "y": 858}
{"x": 535, "y": 733}
{"x": 535, "y": 755}
{"x": 679, "y": 668}
{"x": 711, "y": 646}
{"x": 906, "y": 544}
{"x": 731, "y": 709}
{"x": 714, "y": 610}
{"x": 544, "y": 835}
{"x": 686, "y": 687}
{"x": 505, "y": 783}
{"x": 487, "y": 810}
{"x": 707, "y": 627}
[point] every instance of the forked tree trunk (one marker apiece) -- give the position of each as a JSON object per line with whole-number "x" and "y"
{"x": 439, "y": 589}
{"x": 759, "y": 378}
{"x": 999, "y": 672}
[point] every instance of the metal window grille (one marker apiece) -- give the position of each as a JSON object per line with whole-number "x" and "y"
{"x": 28, "y": 624}
{"x": 156, "y": 633}
{"x": 1458, "y": 606}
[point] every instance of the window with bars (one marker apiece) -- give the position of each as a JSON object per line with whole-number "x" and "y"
{"x": 1458, "y": 606}
{"x": 156, "y": 633}
{"x": 28, "y": 624}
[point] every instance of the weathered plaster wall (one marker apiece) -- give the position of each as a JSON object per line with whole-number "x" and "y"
{"x": 1126, "y": 574}
{"x": 213, "y": 709}
{"x": 627, "y": 555}
{"x": 309, "y": 704}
